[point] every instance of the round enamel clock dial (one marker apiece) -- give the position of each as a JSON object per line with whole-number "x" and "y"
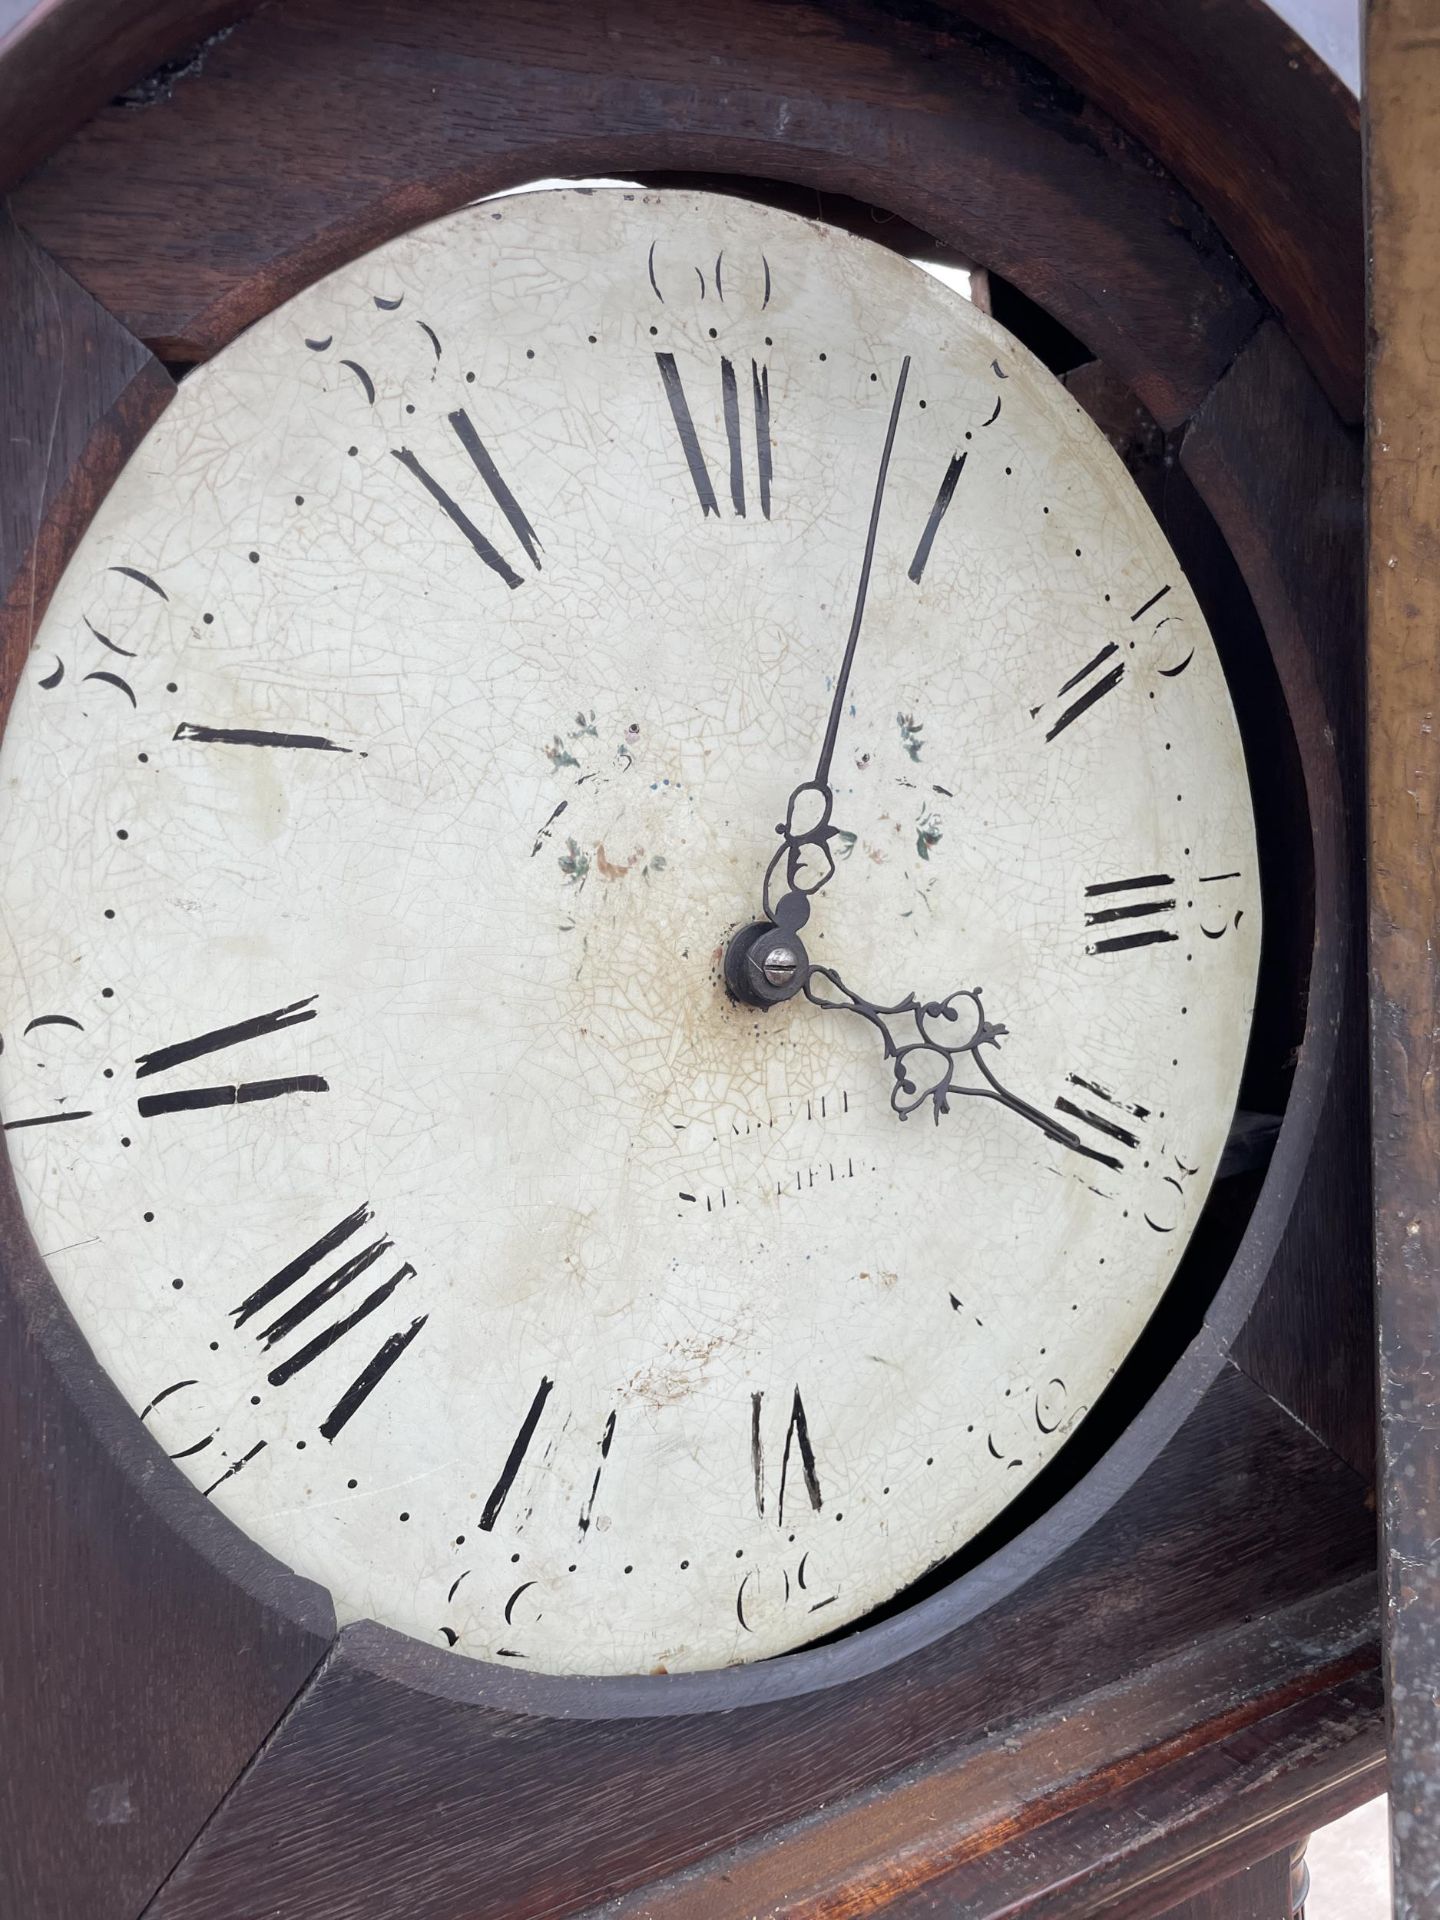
{"x": 481, "y": 1220}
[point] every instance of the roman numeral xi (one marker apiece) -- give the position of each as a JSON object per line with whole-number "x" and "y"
{"x": 240, "y": 1093}
{"x": 475, "y": 450}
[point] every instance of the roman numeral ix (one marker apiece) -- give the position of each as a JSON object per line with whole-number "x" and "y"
{"x": 164, "y": 1059}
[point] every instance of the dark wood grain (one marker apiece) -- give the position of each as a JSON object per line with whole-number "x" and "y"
{"x": 1404, "y": 676}
{"x": 145, "y": 1648}
{"x": 1256, "y": 126}
{"x": 438, "y": 1769}
{"x": 347, "y": 122}
{"x": 1006, "y": 1828}
{"x": 1262, "y": 1892}
{"x": 60, "y": 60}
{"x": 1281, "y": 475}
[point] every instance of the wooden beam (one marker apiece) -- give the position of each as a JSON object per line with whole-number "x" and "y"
{"x": 1403, "y": 112}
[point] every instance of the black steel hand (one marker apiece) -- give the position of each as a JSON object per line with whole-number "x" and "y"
{"x": 807, "y": 830}
{"x": 946, "y": 1030}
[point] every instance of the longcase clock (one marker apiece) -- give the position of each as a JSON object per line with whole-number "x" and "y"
{"x": 682, "y": 1051}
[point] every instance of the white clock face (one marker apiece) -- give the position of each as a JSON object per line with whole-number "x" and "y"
{"x": 395, "y": 760}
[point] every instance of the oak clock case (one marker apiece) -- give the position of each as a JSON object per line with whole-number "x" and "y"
{"x": 200, "y": 1738}
{"x": 396, "y": 763}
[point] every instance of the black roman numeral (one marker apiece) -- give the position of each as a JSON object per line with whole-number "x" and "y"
{"x": 1145, "y": 606}
{"x": 293, "y": 1315}
{"x": 730, "y": 397}
{"x": 797, "y": 1443}
{"x": 1098, "y": 1109}
{"x": 463, "y": 427}
{"x": 587, "y": 1511}
{"x": 164, "y": 1059}
{"x": 519, "y": 1447}
{"x": 255, "y": 737}
{"x": 1095, "y": 679}
{"x": 943, "y": 497}
{"x": 797, "y": 1434}
{"x": 1118, "y": 911}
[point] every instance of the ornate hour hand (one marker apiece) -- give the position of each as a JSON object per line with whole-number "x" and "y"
{"x": 766, "y": 963}
{"x": 925, "y": 1066}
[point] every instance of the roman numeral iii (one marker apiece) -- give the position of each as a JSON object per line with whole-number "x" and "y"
{"x": 1138, "y": 912}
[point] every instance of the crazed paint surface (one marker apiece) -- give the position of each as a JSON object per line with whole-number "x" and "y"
{"x": 399, "y": 751}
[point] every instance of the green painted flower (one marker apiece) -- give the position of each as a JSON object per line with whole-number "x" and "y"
{"x": 927, "y": 833}
{"x": 910, "y": 731}
{"x": 574, "y": 864}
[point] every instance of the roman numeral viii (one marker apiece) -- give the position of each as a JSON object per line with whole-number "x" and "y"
{"x": 475, "y": 450}
{"x": 240, "y": 1093}
{"x": 285, "y": 1311}
{"x": 756, "y": 403}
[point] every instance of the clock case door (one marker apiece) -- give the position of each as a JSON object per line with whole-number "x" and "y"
{"x": 1170, "y": 1672}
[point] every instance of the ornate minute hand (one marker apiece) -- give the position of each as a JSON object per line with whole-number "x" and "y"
{"x": 807, "y": 829}
{"x": 765, "y": 962}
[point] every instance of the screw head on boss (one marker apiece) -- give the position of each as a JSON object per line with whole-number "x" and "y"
{"x": 764, "y": 965}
